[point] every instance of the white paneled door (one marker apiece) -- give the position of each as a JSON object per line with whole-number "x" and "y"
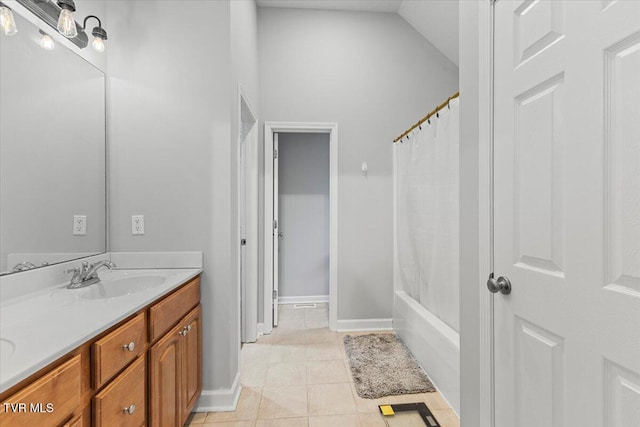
{"x": 567, "y": 213}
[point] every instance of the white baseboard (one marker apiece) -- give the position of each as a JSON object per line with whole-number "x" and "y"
{"x": 364, "y": 325}
{"x": 304, "y": 300}
{"x": 225, "y": 400}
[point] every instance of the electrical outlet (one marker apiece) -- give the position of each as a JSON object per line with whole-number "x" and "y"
{"x": 79, "y": 225}
{"x": 137, "y": 224}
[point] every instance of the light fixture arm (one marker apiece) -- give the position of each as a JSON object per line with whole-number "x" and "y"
{"x": 97, "y": 31}
{"x": 84, "y": 24}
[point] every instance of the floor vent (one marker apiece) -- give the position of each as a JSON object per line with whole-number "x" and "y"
{"x": 304, "y": 306}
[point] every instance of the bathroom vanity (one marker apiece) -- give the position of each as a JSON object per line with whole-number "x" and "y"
{"x": 126, "y": 352}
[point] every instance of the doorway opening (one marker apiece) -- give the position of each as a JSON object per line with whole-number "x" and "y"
{"x": 303, "y": 248}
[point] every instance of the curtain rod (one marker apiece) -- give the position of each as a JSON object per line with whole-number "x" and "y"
{"x": 428, "y": 116}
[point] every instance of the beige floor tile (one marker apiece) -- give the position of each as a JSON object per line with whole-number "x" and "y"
{"x": 351, "y": 420}
{"x": 283, "y": 422}
{"x": 247, "y": 408}
{"x": 317, "y": 335}
{"x": 316, "y": 323}
{"x": 281, "y": 353}
{"x": 324, "y": 351}
{"x": 283, "y": 402}
{"x": 196, "y": 418}
{"x": 253, "y": 374}
{"x": 435, "y": 400}
{"x": 446, "y": 417}
{"x": 290, "y": 336}
{"x": 326, "y": 372}
{"x": 251, "y": 423}
{"x": 292, "y": 373}
{"x": 371, "y": 419}
{"x": 293, "y": 323}
{"x": 255, "y": 352}
{"x": 330, "y": 399}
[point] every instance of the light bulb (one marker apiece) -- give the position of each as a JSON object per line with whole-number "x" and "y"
{"x": 66, "y": 24}
{"x": 46, "y": 42}
{"x": 7, "y": 23}
{"x": 98, "y": 44}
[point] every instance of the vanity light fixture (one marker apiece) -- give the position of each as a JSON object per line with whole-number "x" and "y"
{"x": 7, "y": 23}
{"x": 99, "y": 34}
{"x": 66, "y": 23}
{"x": 46, "y": 42}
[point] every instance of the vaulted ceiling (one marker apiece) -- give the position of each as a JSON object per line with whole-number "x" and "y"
{"x": 436, "y": 20}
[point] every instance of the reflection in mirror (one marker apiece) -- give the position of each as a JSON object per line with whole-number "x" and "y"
{"x": 52, "y": 153}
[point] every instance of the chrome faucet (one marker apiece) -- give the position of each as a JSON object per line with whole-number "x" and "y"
{"x": 24, "y": 265}
{"x": 87, "y": 274}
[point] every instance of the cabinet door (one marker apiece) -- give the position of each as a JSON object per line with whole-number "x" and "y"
{"x": 191, "y": 361}
{"x": 165, "y": 366}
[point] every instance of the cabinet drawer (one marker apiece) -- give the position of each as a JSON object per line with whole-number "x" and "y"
{"x": 114, "y": 351}
{"x": 122, "y": 402}
{"x": 166, "y": 313}
{"x": 76, "y": 422}
{"x": 47, "y": 401}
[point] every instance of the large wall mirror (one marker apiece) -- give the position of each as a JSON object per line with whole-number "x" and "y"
{"x": 52, "y": 153}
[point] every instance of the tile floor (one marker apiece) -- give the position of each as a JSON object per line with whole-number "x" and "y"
{"x": 298, "y": 376}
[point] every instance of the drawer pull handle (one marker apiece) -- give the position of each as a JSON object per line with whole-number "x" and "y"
{"x": 130, "y": 410}
{"x": 188, "y": 328}
{"x": 129, "y": 347}
{"x": 183, "y": 332}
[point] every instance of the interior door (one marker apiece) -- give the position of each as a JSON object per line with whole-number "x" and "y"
{"x": 567, "y": 213}
{"x": 276, "y": 239}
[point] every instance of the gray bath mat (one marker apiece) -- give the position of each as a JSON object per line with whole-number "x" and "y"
{"x": 382, "y": 366}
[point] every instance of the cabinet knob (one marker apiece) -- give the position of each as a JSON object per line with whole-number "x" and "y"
{"x": 188, "y": 328}
{"x": 130, "y": 410}
{"x": 129, "y": 347}
{"x": 183, "y": 332}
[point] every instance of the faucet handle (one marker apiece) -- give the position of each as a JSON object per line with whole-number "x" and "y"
{"x": 77, "y": 275}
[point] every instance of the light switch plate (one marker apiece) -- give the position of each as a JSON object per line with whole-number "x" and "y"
{"x": 79, "y": 225}
{"x": 137, "y": 224}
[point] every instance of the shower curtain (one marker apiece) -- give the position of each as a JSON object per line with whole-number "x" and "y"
{"x": 426, "y": 177}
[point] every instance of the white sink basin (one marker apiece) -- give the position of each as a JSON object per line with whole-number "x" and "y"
{"x": 121, "y": 286}
{"x": 7, "y": 348}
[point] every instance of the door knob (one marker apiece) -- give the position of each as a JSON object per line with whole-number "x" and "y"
{"x": 502, "y": 285}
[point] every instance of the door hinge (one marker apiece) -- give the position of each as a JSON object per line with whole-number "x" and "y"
{"x": 275, "y": 294}
{"x": 275, "y": 224}
{"x": 275, "y": 154}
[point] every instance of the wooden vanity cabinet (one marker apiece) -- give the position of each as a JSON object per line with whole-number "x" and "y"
{"x": 175, "y": 372}
{"x": 48, "y": 401}
{"x": 103, "y": 383}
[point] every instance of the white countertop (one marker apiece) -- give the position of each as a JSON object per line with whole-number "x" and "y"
{"x": 38, "y": 328}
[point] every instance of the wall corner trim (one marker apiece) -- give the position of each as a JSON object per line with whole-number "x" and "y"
{"x": 221, "y": 400}
{"x": 353, "y": 325}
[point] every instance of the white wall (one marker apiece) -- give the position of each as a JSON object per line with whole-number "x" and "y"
{"x": 374, "y": 75}
{"x": 170, "y": 152}
{"x": 303, "y": 162}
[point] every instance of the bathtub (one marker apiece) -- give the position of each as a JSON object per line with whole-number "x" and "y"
{"x": 433, "y": 343}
